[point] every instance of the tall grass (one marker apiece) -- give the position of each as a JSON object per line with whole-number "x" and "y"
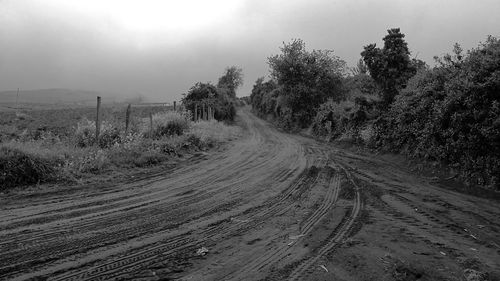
{"x": 211, "y": 132}
{"x": 28, "y": 161}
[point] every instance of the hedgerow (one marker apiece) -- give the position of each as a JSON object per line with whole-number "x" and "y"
{"x": 451, "y": 113}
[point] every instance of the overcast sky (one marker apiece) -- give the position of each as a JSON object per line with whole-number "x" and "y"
{"x": 161, "y": 48}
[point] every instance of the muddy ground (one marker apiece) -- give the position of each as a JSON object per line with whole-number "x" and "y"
{"x": 272, "y": 206}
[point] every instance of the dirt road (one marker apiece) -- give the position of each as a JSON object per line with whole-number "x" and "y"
{"x": 273, "y": 206}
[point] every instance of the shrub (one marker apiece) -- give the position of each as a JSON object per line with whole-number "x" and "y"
{"x": 220, "y": 99}
{"x": 22, "y": 168}
{"x": 169, "y": 123}
{"x": 332, "y": 118}
{"x": 451, "y": 113}
{"x": 346, "y": 119}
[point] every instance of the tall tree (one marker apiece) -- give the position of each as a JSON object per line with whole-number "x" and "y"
{"x": 231, "y": 80}
{"x": 391, "y": 66}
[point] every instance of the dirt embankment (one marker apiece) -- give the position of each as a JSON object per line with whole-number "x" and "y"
{"x": 273, "y": 206}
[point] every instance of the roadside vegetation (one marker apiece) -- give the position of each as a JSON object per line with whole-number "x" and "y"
{"x": 61, "y": 145}
{"x": 447, "y": 114}
{"x": 49, "y": 158}
{"x": 222, "y": 98}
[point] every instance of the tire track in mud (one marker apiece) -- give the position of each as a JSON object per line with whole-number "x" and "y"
{"x": 339, "y": 234}
{"x": 271, "y": 257}
{"x": 149, "y": 256}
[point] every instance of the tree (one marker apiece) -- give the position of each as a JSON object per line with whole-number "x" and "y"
{"x": 261, "y": 98}
{"x": 306, "y": 79}
{"x": 360, "y": 68}
{"x": 391, "y": 66}
{"x": 208, "y": 94}
{"x": 231, "y": 80}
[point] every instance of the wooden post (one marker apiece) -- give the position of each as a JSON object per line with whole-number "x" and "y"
{"x": 127, "y": 118}
{"x": 97, "y": 121}
{"x": 151, "y": 125}
{"x": 174, "y": 106}
{"x": 203, "y": 111}
{"x": 195, "y": 112}
{"x": 209, "y": 113}
{"x": 17, "y": 101}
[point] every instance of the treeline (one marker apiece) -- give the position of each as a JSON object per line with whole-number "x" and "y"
{"x": 449, "y": 113}
{"x": 220, "y": 97}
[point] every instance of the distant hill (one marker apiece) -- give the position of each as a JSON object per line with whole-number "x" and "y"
{"x": 57, "y": 97}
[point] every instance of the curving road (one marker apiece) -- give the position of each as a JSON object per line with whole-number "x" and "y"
{"x": 272, "y": 206}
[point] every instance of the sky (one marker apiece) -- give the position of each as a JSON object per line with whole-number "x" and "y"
{"x": 159, "y": 49}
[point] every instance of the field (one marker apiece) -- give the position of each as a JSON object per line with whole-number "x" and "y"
{"x": 59, "y": 145}
{"x": 62, "y": 121}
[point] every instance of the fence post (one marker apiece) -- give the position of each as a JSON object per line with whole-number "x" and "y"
{"x": 97, "y": 121}
{"x": 151, "y": 125}
{"x": 127, "y": 118}
{"x": 174, "y": 106}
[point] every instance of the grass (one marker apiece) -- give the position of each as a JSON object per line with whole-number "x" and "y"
{"x": 214, "y": 132}
{"x": 27, "y": 159}
{"x": 61, "y": 122}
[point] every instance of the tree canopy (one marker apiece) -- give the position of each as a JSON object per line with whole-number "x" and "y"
{"x": 391, "y": 66}
{"x": 306, "y": 78}
{"x": 231, "y": 80}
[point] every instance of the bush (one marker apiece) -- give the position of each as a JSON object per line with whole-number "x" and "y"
{"x": 220, "y": 99}
{"x": 332, "y": 118}
{"x": 306, "y": 79}
{"x": 22, "y": 168}
{"x": 451, "y": 113}
{"x": 169, "y": 123}
{"x": 348, "y": 119}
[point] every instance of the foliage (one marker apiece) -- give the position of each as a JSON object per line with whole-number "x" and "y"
{"x": 344, "y": 118}
{"x": 93, "y": 161}
{"x": 231, "y": 80}
{"x": 20, "y": 167}
{"x": 391, "y": 66}
{"x": 451, "y": 113}
{"x": 207, "y": 94}
{"x": 264, "y": 96}
{"x": 168, "y": 123}
{"x": 360, "y": 85}
{"x": 305, "y": 79}
{"x": 46, "y": 158}
{"x": 224, "y": 106}
{"x": 85, "y": 134}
